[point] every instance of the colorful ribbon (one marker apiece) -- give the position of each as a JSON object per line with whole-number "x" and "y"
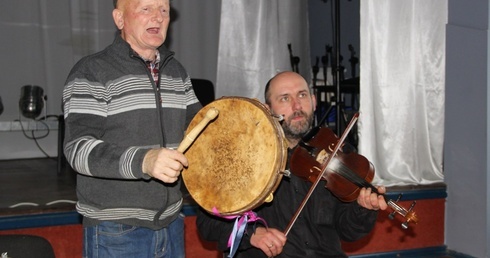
{"x": 239, "y": 228}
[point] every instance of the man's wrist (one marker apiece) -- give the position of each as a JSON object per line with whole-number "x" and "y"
{"x": 149, "y": 161}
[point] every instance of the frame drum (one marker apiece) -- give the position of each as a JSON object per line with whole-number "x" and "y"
{"x": 237, "y": 161}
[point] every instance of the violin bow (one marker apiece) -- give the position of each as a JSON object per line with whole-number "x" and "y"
{"x": 320, "y": 176}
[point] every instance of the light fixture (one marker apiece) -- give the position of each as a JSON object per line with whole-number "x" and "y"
{"x": 31, "y": 101}
{"x": 31, "y": 105}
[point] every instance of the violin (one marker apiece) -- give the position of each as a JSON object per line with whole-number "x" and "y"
{"x": 345, "y": 173}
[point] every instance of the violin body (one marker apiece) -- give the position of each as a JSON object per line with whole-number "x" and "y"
{"x": 308, "y": 161}
{"x": 345, "y": 173}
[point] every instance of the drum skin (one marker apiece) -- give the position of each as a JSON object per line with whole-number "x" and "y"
{"x": 237, "y": 161}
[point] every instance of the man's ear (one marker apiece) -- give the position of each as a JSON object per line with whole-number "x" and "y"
{"x": 313, "y": 101}
{"x": 118, "y": 17}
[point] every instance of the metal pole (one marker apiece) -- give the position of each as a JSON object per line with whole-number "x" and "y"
{"x": 337, "y": 66}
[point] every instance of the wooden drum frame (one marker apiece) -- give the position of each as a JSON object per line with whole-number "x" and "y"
{"x": 237, "y": 161}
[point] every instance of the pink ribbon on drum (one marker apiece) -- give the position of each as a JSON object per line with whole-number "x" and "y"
{"x": 239, "y": 227}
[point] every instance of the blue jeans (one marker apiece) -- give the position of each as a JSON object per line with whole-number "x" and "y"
{"x": 110, "y": 239}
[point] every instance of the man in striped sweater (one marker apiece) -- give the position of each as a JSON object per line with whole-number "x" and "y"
{"x": 126, "y": 109}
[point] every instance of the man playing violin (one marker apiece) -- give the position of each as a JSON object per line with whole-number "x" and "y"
{"x": 324, "y": 221}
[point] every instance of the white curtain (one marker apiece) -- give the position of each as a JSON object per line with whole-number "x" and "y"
{"x": 92, "y": 27}
{"x": 401, "y": 122}
{"x": 42, "y": 40}
{"x": 253, "y": 44}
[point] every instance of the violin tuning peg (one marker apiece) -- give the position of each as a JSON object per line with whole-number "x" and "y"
{"x": 405, "y": 225}
{"x": 391, "y": 215}
{"x": 412, "y": 205}
{"x": 399, "y": 198}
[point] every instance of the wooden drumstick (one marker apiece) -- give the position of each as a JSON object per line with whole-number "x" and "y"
{"x": 211, "y": 114}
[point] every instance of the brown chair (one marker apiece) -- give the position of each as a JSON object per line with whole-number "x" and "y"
{"x": 204, "y": 90}
{"x": 25, "y": 246}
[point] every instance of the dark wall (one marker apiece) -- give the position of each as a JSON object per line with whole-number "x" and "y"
{"x": 322, "y": 15}
{"x": 466, "y": 168}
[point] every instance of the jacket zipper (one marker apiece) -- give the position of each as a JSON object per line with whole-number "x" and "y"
{"x": 158, "y": 97}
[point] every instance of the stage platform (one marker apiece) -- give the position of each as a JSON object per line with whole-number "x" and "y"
{"x": 39, "y": 199}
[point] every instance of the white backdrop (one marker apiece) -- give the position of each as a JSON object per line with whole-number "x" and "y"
{"x": 401, "y": 122}
{"x": 42, "y": 39}
{"x": 253, "y": 45}
{"x": 402, "y": 65}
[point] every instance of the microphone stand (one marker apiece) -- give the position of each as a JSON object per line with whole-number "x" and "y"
{"x": 336, "y": 65}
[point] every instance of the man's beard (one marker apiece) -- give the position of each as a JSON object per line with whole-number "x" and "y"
{"x": 299, "y": 128}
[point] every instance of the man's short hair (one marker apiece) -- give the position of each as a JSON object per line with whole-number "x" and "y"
{"x": 266, "y": 91}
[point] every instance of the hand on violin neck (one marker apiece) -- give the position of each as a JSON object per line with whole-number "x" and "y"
{"x": 372, "y": 201}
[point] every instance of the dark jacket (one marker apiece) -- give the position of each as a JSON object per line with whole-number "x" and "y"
{"x": 323, "y": 223}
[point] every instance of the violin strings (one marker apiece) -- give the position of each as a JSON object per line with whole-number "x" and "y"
{"x": 350, "y": 175}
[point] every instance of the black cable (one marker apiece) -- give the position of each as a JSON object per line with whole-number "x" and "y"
{"x": 34, "y": 137}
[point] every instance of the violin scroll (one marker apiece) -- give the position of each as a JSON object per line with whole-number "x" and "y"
{"x": 408, "y": 214}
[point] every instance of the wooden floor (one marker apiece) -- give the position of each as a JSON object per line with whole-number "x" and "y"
{"x": 39, "y": 186}
{"x": 35, "y": 185}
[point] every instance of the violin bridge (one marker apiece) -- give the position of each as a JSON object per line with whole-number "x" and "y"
{"x": 322, "y": 156}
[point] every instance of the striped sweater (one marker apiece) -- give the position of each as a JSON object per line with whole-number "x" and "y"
{"x": 113, "y": 115}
